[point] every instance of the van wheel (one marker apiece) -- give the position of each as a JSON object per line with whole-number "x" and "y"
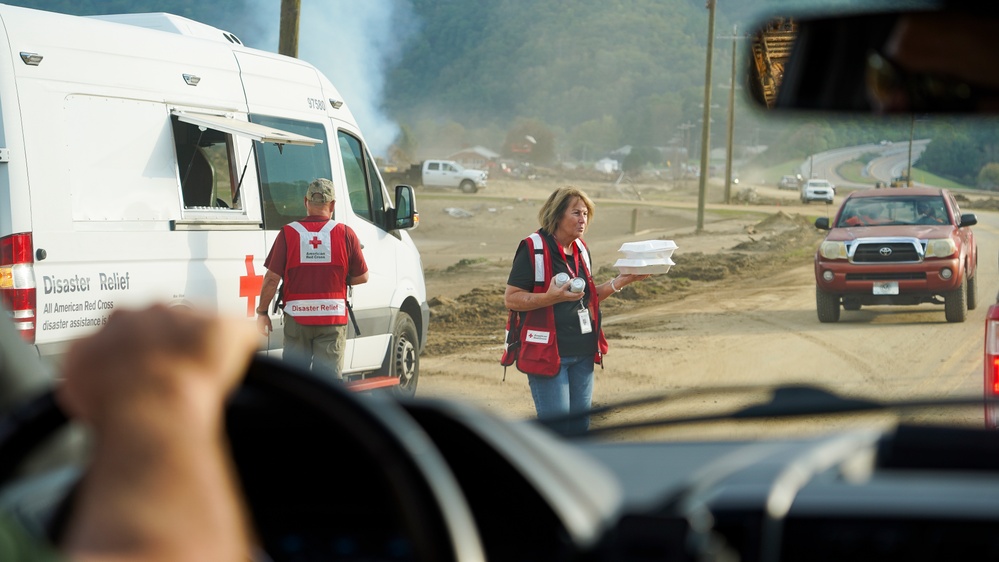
{"x": 468, "y": 186}
{"x": 404, "y": 361}
{"x": 956, "y": 303}
{"x": 827, "y": 306}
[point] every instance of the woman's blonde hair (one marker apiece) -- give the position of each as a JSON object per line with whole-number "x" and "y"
{"x": 554, "y": 208}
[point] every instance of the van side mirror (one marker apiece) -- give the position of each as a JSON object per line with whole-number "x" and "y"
{"x": 406, "y": 215}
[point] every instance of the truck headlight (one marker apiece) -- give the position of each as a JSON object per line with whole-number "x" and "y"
{"x": 833, "y": 250}
{"x": 940, "y": 248}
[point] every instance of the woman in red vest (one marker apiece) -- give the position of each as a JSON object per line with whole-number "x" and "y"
{"x": 560, "y": 335}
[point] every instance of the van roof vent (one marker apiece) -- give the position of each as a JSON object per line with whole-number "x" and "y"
{"x": 172, "y": 24}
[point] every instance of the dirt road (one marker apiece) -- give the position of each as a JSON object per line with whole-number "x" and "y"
{"x": 737, "y": 309}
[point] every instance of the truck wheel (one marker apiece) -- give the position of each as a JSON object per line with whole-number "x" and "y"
{"x": 468, "y": 186}
{"x": 956, "y": 302}
{"x": 972, "y": 292}
{"x": 827, "y": 306}
{"x": 404, "y": 358}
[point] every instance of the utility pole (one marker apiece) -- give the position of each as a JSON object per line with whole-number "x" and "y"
{"x": 288, "y": 39}
{"x": 706, "y": 130}
{"x": 908, "y": 173}
{"x": 731, "y": 122}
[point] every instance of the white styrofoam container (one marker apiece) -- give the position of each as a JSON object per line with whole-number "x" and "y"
{"x": 643, "y": 266}
{"x": 649, "y": 246}
{"x": 647, "y": 257}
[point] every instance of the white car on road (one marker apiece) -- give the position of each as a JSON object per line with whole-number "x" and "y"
{"x": 817, "y": 190}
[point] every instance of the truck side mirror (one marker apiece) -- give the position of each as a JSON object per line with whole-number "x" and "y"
{"x": 822, "y": 223}
{"x": 406, "y": 215}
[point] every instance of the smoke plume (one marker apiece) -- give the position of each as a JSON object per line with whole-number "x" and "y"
{"x": 353, "y": 44}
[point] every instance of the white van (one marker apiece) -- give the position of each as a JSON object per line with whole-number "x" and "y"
{"x": 150, "y": 158}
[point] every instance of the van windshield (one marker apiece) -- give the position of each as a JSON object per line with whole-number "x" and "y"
{"x": 285, "y": 171}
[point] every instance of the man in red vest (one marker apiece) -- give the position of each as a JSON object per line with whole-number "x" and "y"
{"x": 317, "y": 258}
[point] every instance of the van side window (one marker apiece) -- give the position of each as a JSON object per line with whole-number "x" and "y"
{"x": 285, "y": 171}
{"x": 205, "y": 164}
{"x": 363, "y": 186}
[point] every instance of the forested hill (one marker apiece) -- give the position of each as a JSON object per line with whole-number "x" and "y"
{"x": 632, "y": 68}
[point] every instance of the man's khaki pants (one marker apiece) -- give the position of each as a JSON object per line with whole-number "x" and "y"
{"x": 317, "y": 347}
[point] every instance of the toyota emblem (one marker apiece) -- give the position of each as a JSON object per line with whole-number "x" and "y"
{"x": 885, "y": 251}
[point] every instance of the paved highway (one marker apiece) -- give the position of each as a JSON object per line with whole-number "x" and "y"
{"x": 892, "y": 161}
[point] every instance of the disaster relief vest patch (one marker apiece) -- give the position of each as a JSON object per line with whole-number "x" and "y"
{"x": 315, "y": 276}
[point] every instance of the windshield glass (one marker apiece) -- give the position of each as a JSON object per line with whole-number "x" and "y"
{"x": 744, "y": 303}
{"x": 611, "y": 100}
{"x": 895, "y": 210}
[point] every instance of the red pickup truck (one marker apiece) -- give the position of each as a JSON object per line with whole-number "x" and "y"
{"x": 903, "y": 246}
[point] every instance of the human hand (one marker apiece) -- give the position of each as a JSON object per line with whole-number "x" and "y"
{"x": 152, "y": 384}
{"x": 562, "y": 294}
{"x": 264, "y": 325}
{"x": 159, "y": 358}
{"x": 625, "y": 279}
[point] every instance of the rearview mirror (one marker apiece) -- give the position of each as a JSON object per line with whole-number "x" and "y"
{"x": 934, "y": 61}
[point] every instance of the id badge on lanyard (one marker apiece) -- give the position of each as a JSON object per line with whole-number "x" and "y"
{"x": 585, "y": 327}
{"x": 584, "y": 320}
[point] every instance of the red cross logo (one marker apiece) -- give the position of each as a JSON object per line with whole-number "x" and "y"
{"x": 316, "y": 242}
{"x": 249, "y": 287}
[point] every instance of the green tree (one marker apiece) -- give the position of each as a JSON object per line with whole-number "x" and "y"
{"x": 591, "y": 139}
{"x": 952, "y": 154}
{"x": 640, "y": 156}
{"x": 988, "y": 177}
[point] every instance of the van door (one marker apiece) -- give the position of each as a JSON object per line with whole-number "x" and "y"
{"x": 285, "y": 172}
{"x": 366, "y": 212}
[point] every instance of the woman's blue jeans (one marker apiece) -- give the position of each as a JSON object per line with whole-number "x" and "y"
{"x": 570, "y": 391}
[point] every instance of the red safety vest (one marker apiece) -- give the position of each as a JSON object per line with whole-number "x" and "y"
{"x": 315, "y": 273}
{"x": 535, "y": 350}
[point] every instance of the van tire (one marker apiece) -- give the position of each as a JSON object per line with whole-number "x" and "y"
{"x": 404, "y": 357}
{"x": 468, "y": 186}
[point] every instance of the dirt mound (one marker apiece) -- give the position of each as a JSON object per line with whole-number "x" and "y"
{"x": 988, "y": 204}
{"x": 782, "y": 221}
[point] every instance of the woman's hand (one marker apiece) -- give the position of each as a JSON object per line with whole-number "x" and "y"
{"x": 562, "y": 294}
{"x": 616, "y": 284}
{"x": 521, "y": 300}
{"x": 625, "y": 279}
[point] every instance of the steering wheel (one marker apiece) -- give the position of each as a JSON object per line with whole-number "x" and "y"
{"x": 327, "y": 474}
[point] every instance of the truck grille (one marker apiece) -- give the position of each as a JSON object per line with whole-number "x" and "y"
{"x": 886, "y": 252}
{"x": 917, "y": 275}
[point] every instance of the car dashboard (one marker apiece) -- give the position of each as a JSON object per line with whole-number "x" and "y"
{"x": 913, "y": 492}
{"x": 332, "y": 476}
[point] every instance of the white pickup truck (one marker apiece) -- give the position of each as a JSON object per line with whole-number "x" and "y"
{"x": 438, "y": 173}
